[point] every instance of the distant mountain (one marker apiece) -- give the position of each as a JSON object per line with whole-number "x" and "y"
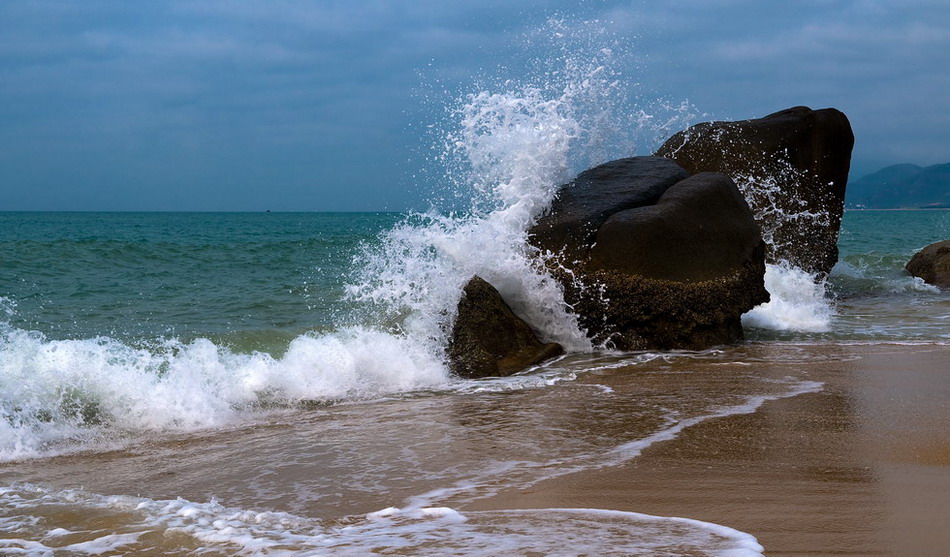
{"x": 901, "y": 186}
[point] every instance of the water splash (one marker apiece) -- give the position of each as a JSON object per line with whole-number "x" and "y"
{"x": 776, "y": 208}
{"x": 506, "y": 152}
{"x": 504, "y": 149}
{"x": 800, "y": 300}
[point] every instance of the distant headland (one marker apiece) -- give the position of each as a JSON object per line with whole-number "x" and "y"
{"x": 902, "y": 186}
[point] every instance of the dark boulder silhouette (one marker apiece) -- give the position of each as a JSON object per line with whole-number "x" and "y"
{"x": 792, "y": 166}
{"x": 932, "y": 264}
{"x": 489, "y": 340}
{"x": 650, "y": 258}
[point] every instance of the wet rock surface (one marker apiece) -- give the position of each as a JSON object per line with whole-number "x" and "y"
{"x": 582, "y": 206}
{"x": 792, "y": 166}
{"x": 932, "y": 264}
{"x": 648, "y": 271}
{"x": 489, "y": 340}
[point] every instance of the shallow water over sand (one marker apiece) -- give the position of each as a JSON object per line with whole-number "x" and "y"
{"x": 860, "y": 467}
{"x": 313, "y": 437}
{"x": 358, "y": 457}
{"x": 438, "y": 456}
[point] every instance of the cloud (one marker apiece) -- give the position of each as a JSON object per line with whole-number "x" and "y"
{"x": 883, "y": 63}
{"x": 187, "y": 93}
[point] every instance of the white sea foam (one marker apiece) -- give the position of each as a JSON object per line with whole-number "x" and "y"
{"x": 56, "y": 392}
{"x": 121, "y": 522}
{"x": 798, "y": 302}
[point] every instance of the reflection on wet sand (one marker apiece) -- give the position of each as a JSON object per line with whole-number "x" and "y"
{"x": 812, "y": 474}
{"x": 855, "y": 466}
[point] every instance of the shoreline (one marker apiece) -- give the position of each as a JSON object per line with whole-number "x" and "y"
{"x": 856, "y": 463}
{"x": 860, "y": 468}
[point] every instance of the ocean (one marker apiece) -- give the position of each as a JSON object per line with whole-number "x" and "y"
{"x": 246, "y": 392}
{"x": 275, "y": 383}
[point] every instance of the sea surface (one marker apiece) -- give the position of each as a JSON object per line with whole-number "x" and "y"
{"x": 275, "y": 383}
{"x": 162, "y": 346}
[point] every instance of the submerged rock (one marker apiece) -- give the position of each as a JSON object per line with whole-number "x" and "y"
{"x": 792, "y": 166}
{"x": 650, "y": 258}
{"x": 489, "y": 340}
{"x": 932, "y": 264}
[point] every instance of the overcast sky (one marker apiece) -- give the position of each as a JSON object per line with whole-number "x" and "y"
{"x": 270, "y": 104}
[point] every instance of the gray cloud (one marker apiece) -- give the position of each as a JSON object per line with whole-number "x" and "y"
{"x": 286, "y": 105}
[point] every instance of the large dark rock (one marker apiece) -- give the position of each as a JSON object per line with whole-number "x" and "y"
{"x": 489, "y": 340}
{"x": 662, "y": 261}
{"x": 792, "y": 166}
{"x": 932, "y": 264}
{"x": 700, "y": 229}
{"x": 583, "y": 205}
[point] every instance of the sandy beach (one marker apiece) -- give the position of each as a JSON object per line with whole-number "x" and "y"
{"x": 813, "y": 449}
{"x": 860, "y": 468}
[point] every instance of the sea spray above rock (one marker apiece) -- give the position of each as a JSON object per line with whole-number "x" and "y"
{"x": 650, "y": 258}
{"x": 514, "y": 145}
{"x": 505, "y": 151}
{"x": 792, "y": 166}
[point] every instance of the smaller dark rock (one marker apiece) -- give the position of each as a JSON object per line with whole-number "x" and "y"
{"x": 932, "y": 264}
{"x": 489, "y": 340}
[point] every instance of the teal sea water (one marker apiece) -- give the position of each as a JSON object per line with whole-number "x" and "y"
{"x": 124, "y": 329}
{"x": 868, "y": 296}
{"x": 252, "y": 281}
{"x": 255, "y": 281}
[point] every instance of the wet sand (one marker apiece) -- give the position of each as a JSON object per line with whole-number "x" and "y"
{"x": 860, "y": 468}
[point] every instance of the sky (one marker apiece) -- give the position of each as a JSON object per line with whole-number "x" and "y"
{"x": 329, "y": 105}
